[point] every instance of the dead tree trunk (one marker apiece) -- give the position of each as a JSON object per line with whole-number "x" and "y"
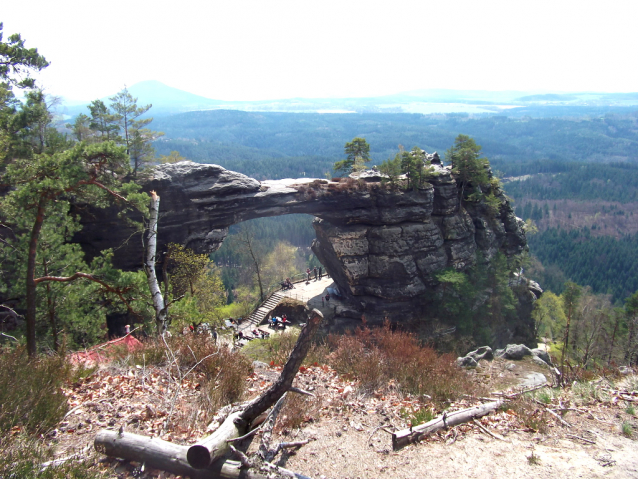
{"x": 166, "y": 456}
{"x": 201, "y": 460}
{"x": 159, "y": 303}
{"x": 407, "y": 436}
{"x": 214, "y": 446}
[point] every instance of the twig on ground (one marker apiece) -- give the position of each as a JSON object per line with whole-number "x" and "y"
{"x": 265, "y": 452}
{"x": 487, "y": 431}
{"x": 58, "y": 462}
{"x": 286, "y": 445}
{"x": 562, "y": 421}
{"x": 581, "y": 438}
{"x": 301, "y": 391}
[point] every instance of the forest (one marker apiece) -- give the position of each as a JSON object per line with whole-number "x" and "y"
{"x": 574, "y": 180}
{"x": 548, "y": 163}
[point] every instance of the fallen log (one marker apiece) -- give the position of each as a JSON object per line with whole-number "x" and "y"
{"x": 209, "y": 449}
{"x": 166, "y": 456}
{"x": 408, "y": 436}
{"x": 216, "y": 445}
{"x": 201, "y": 460}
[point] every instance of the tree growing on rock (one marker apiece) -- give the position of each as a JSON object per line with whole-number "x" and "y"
{"x": 358, "y": 154}
{"x": 470, "y": 169}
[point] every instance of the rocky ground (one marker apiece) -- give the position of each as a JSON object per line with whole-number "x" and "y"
{"x": 349, "y": 431}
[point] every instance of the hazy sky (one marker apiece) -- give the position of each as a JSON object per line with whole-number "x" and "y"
{"x": 269, "y": 49}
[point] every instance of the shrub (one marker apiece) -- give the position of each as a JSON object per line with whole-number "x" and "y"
{"x": 378, "y": 356}
{"x": 223, "y": 371}
{"x": 297, "y": 410}
{"x": 627, "y": 429}
{"x": 529, "y": 414}
{"x": 21, "y": 457}
{"x": 30, "y": 391}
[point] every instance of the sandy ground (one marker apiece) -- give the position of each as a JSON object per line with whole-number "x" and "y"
{"x": 341, "y": 451}
{"x": 348, "y": 430}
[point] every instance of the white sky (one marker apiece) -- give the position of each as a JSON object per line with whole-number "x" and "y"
{"x": 272, "y": 49}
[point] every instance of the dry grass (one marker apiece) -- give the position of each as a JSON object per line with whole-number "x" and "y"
{"x": 30, "y": 391}
{"x": 31, "y": 404}
{"x": 298, "y": 410}
{"x": 223, "y": 371}
{"x": 530, "y": 414}
{"x": 379, "y": 357}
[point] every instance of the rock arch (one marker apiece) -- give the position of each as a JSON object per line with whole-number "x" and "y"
{"x": 383, "y": 247}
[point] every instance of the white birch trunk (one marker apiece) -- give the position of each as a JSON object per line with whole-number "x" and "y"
{"x": 151, "y": 250}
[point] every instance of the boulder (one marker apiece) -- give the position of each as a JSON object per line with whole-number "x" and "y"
{"x": 515, "y": 352}
{"x": 484, "y": 352}
{"x": 466, "y": 362}
{"x": 542, "y": 355}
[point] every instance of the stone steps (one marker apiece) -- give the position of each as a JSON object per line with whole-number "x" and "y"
{"x": 262, "y": 311}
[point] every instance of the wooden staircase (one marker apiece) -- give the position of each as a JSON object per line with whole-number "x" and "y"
{"x": 258, "y": 315}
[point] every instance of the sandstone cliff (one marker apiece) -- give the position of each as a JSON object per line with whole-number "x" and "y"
{"x": 383, "y": 247}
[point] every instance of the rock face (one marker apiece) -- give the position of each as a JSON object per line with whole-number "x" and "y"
{"x": 383, "y": 247}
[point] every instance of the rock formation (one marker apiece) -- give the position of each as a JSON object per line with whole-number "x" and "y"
{"x": 383, "y": 247}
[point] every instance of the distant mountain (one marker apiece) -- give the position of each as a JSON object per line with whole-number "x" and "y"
{"x": 166, "y": 100}
{"x": 548, "y": 97}
{"x": 169, "y": 100}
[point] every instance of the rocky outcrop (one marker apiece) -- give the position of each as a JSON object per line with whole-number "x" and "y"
{"x": 514, "y": 352}
{"x": 382, "y": 246}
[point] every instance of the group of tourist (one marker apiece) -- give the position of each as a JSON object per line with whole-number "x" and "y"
{"x": 318, "y": 272}
{"x": 254, "y": 334}
{"x": 279, "y": 322}
{"x": 287, "y": 284}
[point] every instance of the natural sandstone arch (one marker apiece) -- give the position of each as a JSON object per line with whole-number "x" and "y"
{"x": 381, "y": 246}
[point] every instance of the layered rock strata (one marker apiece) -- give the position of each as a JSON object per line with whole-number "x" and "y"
{"x": 383, "y": 247}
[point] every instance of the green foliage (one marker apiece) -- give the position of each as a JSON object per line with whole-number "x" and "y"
{"x": 479, "y": 299}
{"x": 627, "y": 429}
{"x": 617, "y": 182}
{"x": 416, "y": 416}
{"x": 470, "y": 169}
{"x": 549, "y": 316}
{"x": 173, "y": 157}
{"x": 37, "y": 208}
{"x": 607, "y": 264}
{"x": 358, "y": 153}
{"x": 284, "y": 261}
{"x": 585, "y": 393}
{"x": 103, "y": 123}
{"x": 392, "y": 168}
{"x": 195, "y": 279}
{"x": 533, "y": 459}
{"x": 18, "y": 61}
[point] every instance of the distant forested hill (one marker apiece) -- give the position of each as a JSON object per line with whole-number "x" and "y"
{"x": 576, "y": 177}
{"x": 312, "y": 142}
